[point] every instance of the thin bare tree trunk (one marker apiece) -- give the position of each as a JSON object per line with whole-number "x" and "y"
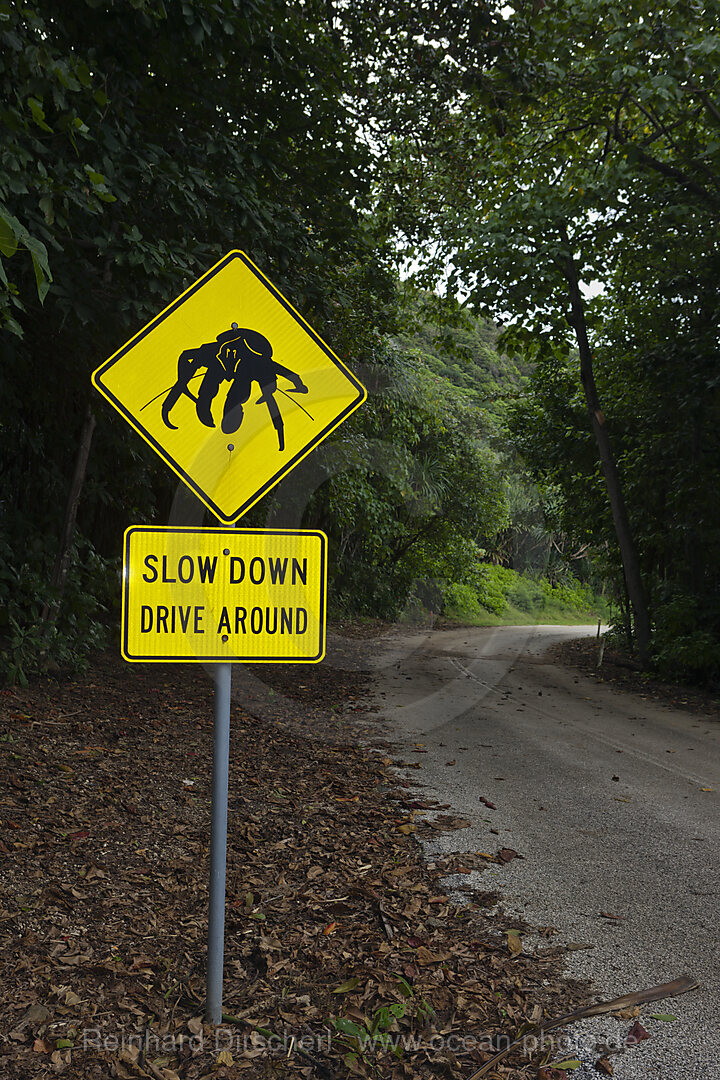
{"x": 62, "y": 562}
{"x": 626, "y": 543}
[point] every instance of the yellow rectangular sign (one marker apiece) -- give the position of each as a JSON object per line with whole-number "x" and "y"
{"x": 223, "y": 595}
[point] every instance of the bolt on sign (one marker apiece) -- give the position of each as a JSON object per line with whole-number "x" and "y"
{"x": 219, "y": 595}
{"x": 230, "y": 385}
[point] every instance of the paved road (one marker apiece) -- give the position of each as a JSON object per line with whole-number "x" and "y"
{"x": 601, "y": 792}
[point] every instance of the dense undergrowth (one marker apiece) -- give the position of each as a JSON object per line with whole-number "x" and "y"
{"x": 501, "y": 596}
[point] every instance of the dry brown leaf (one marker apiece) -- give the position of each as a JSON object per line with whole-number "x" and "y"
{"x": 424, "y": 957}
{"x": 627, "y": 1014}
{"x": 636, "y": 1034}
{"x": 514, "y": 942}
{"x": 33, "y": 1018}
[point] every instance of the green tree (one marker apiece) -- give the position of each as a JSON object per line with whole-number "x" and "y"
{"x": 142, "y": 140}
{"x": 413, "y": 490}
{"x": 573, "y": 127}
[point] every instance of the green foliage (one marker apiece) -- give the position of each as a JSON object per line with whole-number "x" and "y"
{"x": 579, "y": 130}
{"x": 415, "y": 489}
{"x": 141, "y": 141}
{"x": 527, "y": 595}
{"x": 492, "y": 584}
{"x": 681, "y": 645}
{"x": 509, "y": 596}
{"x": 380, "y": 1034}
{"x": 462, "y": 602}
{"x": 27, "y": 639}
{"x": 453, "y": 343}
{"x": 464, "y": 349}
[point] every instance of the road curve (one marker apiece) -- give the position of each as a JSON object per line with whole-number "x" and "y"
{"x": 601, "y": 792}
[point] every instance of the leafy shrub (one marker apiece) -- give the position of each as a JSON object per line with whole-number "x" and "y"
{"x": 491, "y": 585}
{"x": 500, "y": 591}
{"x": 27, "y": 643}
{"x": 527, "y": 594}
{"x": 462, "y": 603}
{"x": 680, "y": 648}
{"x": 573, "y": 594}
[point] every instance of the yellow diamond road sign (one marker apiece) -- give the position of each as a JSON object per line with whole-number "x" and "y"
{"x": 230, "y": 386}
{"x": 203, "y": 595}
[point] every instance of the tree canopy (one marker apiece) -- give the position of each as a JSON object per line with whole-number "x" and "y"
{"x": 549, "y": 166}
{"x": 144, "y": 139}
{"x": 570, "y": 190}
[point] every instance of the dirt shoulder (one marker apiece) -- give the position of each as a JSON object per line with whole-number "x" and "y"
{"x": 624, "y": 674}
{"x": 333, "y": 919}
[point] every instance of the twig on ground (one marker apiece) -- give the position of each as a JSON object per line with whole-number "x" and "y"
{"x": 654, "y": 993}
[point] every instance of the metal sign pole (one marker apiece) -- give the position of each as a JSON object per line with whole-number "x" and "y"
{"x": 175, "y": 626}
{"x": 218, "y": 844}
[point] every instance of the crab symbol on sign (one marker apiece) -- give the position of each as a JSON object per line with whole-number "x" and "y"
{"x": 240, "y": 357}
{"x": 219, "y": 410}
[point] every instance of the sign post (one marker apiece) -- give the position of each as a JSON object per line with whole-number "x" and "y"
{"x": 187, "y": 383}
{"x": 218, "y": 844}
{"x": 195, "y": 595}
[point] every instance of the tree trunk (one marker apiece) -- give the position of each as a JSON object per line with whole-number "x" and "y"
{"x": 628, "y": 554}
{"x": 62, "y": 562}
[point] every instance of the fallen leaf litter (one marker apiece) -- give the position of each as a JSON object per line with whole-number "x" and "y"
{"x": 333, "y": 917}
